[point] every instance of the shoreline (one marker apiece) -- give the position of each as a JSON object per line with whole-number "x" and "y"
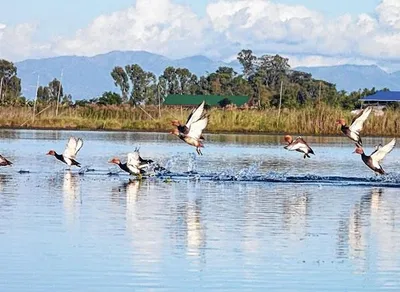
{"x": 166, "y": 131}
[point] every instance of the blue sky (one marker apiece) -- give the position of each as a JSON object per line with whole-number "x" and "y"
{"x": 60, "y": 17}
{"x": 309, "y": 32}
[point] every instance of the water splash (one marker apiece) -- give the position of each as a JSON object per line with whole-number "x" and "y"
{"x": 84, "y": 169}
{"x": 192, "y": 163}
{"x": 171, "y": 162}
{"x": 249, "y": 172}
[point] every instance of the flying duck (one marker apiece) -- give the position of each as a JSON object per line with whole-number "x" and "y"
{"x": 353, "y": 131}
{"x": 194, "y": 116}
{"x": 298, "y": 145}
{"x": 4, "y": 161}
{"x": 135, "y": 165}
{"x": 193, "y": 136}
{"x": 373, "y": 160}
{"x": 70, "y": 152}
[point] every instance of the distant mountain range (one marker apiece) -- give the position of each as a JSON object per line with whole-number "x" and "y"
{"x": 354, "y": 77}
{"x": 88, "y": 77}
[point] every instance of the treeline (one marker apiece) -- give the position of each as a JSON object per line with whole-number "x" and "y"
{"x": 263, "y": 78}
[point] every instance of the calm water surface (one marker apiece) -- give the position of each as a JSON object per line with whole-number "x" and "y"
{"x": 335, "y": 229}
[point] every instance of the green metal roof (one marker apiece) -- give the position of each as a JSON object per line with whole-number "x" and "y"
{"x": 211, "y": 100}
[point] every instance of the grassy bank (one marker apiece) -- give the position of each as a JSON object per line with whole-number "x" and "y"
{"x": 318, "y": 120}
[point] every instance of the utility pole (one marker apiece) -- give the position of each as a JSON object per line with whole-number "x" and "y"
{"x": 1, "y": 88}
{"x": 159, "y": 101}
{"x": 319, "y": 94}
{"x": 280, "y": 100}
{"x": 34, "y": 103}
{"x": 59, "y": 91}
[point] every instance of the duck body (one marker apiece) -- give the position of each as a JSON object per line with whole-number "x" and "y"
{"x": 191, "y": 132}
{"x": 193, "y": 137}
{"x": 4, "y": 161}
{"x": 354, "y": 136}
{"x": 376, "y": 167}
{"x": 193, "y": 142}
{"x": 135, "y": 164}
{"x": 353, "y": 131}
{"x": 71, "y": 150}
{"x": 373, "y": 160}
{"x": 299, "y": 145}
{"x": 66, "y": 160}
{"x": 126, "y": 168}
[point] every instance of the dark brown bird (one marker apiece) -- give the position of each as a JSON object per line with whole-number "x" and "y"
{"x": 373, "y": 160}
{"x": 353, "y": 131}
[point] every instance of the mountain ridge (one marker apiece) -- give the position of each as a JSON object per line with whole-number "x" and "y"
{"x": 88, "y": 77}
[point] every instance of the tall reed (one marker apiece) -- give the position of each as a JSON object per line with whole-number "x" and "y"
{"x": 319, "y": 120}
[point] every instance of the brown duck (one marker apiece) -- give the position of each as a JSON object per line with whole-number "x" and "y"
{"x": 299, "y": 145}
{"x": 353, "y": 131}
{"x": 373, "y": 160}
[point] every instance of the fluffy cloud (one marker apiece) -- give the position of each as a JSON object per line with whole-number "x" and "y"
{"x": 164, "y": 27}
{"x": 16, "y": 42}
{"x": 158, "y": 26}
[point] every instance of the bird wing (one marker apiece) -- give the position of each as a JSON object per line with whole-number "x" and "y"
{"x": 133, "y": 162}
{"x": 195, "y": 115}
{"x": 72, "y": 148}
{"x": 197, "y": 128}
{"x": 298, "y": 144}
{"x": 381, "y": 151}
{"x": 358, "y": 121}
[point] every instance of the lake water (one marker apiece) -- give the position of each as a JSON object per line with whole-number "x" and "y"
{"x": 246, "y": 216}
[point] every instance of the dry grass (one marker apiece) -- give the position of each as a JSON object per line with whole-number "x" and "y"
{"x": 318, "y": 120}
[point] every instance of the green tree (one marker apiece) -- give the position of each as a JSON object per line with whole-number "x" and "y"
{"x": 121, "y": 80}
{"x": 247, "y": 60}
{"x": 110, "y": 98}
{"x": 10, "y": 84}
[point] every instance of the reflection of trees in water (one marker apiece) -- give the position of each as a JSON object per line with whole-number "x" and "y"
{"x": 370, "y": 231}
{"x": 10, "y": 134}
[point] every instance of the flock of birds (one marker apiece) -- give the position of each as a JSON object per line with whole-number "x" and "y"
{"x": 191, "y": 133}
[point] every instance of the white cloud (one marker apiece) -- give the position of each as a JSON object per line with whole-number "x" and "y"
{"x": 164, "y": 27}
{"x": 158, "y": 26}
{"x": 16, "y": 42}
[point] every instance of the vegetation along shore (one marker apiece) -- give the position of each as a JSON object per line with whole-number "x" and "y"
{"x": 281, "y": 100}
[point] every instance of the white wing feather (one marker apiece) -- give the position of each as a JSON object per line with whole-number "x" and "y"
{"x": 133, "y": 162}
{"x": 357, "y": 125}
{"x": 381, "y": 151}
{"x": 298, "y": 144}
{"x": 197, "y": 128}
{"x": 195, "y": 115}
{"x": 72, "y": 148}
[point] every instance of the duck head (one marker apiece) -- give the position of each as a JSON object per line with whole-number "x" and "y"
{"x": 341, "y": 122}
{"x": 358, "y": 150}
{"x": 175, "y": 123}
{"x": 115, "y": 161}
{"x": 288, "y": 139}
{"x": 175, "y": 132}
{"x": 51, "y": 152}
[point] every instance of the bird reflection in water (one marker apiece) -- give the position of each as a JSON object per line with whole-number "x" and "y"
{"x": 195, "y": 231}
{"x": 295, "y": 214}
{"x": 127, "y": 193}
{"x": 371, "y": 225}
{"x": 71, "y": 196}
